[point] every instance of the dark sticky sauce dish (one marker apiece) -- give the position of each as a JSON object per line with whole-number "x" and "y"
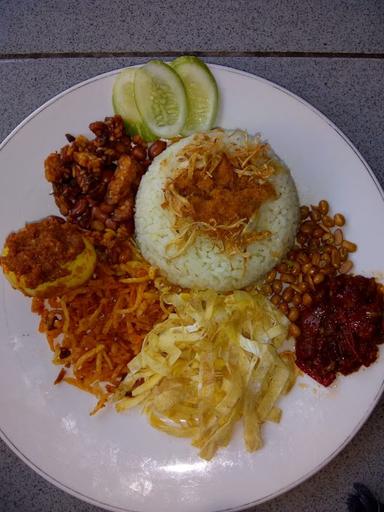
{"x": 341, "y": 329}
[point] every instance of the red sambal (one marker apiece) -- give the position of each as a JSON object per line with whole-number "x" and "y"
{"x": 341, "y": 329}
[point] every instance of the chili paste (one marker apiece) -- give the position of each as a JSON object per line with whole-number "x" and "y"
{"x": 341, "y": 329}
{"x": 222, "y": 197}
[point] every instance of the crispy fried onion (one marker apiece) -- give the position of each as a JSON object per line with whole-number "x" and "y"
{"x": 232, "y": 244}
{"x": 249, "y": 157}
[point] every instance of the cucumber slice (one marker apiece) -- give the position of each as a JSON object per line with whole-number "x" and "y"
{"x": 202, "y": 93}
{"x": 123, "y": 101}
{"x": 160, "y": 98}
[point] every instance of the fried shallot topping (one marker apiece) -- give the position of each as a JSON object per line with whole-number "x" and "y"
{"x": 219, "y": 188}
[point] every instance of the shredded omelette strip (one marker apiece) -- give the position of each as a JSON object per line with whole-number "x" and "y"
{"x": 214, "y": 360}
{"x": 96, "y": 329}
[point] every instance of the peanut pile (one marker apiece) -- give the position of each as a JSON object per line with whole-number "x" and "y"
{"x": 95, "y": 181}
{"x": 320, "y": 250}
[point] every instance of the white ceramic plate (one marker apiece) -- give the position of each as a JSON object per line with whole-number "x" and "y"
{"x": 118, "y": 461}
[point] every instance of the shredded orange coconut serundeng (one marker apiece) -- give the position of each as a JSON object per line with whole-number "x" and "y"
{"x": 96, "y": 329}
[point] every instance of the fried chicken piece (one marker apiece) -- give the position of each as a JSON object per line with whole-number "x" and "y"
{"x": 126, "y": 177}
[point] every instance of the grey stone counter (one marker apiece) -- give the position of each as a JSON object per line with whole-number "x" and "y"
{"x": 330, "y": 53}
{"x": 348, "y": 91}
{"x": 198, "y": 25}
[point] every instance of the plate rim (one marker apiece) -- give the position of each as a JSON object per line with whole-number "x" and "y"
{"x": 93, "y": 501}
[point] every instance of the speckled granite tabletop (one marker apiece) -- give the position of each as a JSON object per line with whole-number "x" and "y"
{"x": 330, "y": 53}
